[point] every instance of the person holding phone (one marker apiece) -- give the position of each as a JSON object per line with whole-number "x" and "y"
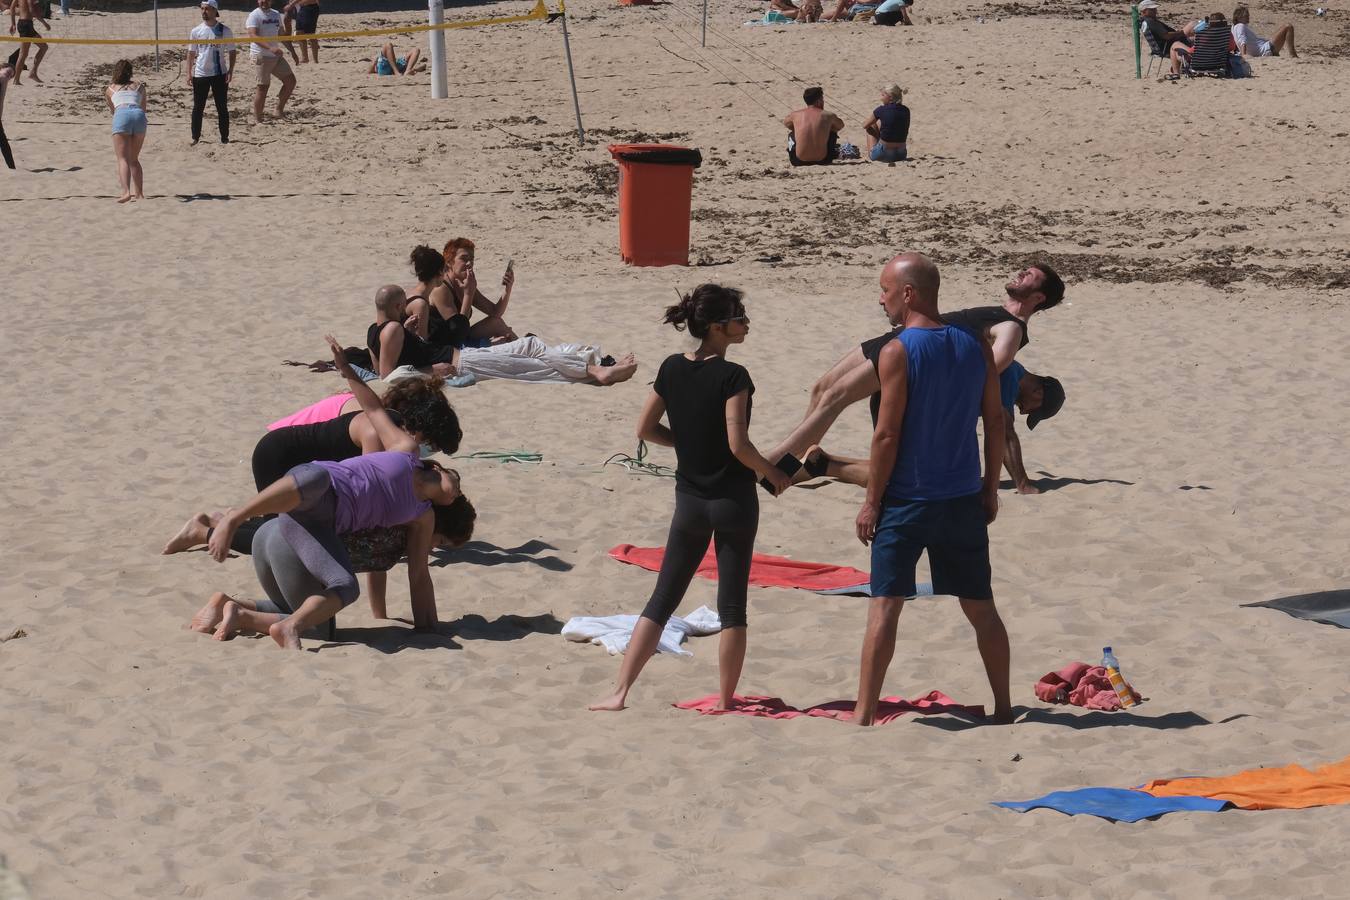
{"x": 707, "y": 400}
{"x": 463, "y": 283}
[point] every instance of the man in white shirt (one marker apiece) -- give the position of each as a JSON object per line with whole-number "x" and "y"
{"x": 208, "y": 70}
{"x": 265, "y": 22}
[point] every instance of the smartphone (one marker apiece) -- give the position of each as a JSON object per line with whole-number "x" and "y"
{"x": 789, "y": 464}
{"x": 510, "y": 264}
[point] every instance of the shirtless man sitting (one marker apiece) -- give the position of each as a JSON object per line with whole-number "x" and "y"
{"x": 854, "y": 377}
{"x": 21, "y": 16}
{"x": 813, "y": 134}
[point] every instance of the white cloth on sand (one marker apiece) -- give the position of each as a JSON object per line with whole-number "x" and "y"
{"x": 614, "y": 632}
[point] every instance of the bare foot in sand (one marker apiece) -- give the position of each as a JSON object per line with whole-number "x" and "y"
{"x": 285, "y": 635}
{"x": 209, "y": 616}
{"x": 612, "y": 703}
{"x": 190, "y": 535}
{"x": 229, "y": 621}
{"x": 1001, "y": 717}
{"x": 124, "y": 198}
{"x": 622, "y": 370}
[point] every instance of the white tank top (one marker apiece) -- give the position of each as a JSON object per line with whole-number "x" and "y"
{"x": 126, "y": 97}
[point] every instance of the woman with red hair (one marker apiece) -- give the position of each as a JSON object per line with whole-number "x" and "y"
{"x": 463, "y": 283}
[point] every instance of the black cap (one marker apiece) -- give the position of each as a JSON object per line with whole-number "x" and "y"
{"x": 1053, "y": 400}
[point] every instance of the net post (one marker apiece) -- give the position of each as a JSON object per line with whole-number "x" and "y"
{"x": 156, "y": 35}
{"x": 436, "y": 16}
{"x": 571, "y": 74}
{"x": 1134, "y": 27}
{"x": 705, "y": 23}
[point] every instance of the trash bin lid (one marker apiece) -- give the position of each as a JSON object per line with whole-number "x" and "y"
{"x": 657, "y": 154}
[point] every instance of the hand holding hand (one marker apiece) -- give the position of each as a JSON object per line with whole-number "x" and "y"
{"x": 780, "y": 480}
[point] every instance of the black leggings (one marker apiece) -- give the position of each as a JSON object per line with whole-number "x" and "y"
{"x": 731, "y": 522}
{"x": 4, "y": 148}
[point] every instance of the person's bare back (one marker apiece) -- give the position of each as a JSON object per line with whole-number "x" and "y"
{"x": 813, "y": 130}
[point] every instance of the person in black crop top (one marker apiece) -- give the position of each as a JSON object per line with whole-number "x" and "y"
{"x": 433, "y": 311}
{"x": 854, "y": 377}
{"x": 706, "y": 401}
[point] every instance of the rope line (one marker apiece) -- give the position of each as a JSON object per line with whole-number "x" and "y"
{"x": 721, "y": 71}
{"x": 534, "y": 15}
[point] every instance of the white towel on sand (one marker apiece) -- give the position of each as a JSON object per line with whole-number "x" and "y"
{"x": 614, "y": 632}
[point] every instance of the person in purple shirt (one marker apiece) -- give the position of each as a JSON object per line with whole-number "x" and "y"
{"x": 925, "y": 491}
{"x": 299, "y": 555}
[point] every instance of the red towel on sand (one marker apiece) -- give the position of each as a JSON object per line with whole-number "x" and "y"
{"x": 765, "y": 571}
{"x": 1079, "y": 684}
{"x": 890, "y": 709}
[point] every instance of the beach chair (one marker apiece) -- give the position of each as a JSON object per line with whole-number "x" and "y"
{"x": 1210, "y": 56}
{"x": 1155, "y": 51}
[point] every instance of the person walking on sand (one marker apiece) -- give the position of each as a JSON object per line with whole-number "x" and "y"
{"x": 924, "y": 488}
{"x": 268, "y": 59}
{"x": 21, "y": 16}
{"x": 209, "y": 73}
{"x": 813, "y": 134}
{"x": 707, "y": 401}
{"x": 126, "y": 100}
{"x": 7, "y": 71}
{"x": 306, "y": 14}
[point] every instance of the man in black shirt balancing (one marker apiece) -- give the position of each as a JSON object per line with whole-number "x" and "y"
{"x": 854, "y": 377}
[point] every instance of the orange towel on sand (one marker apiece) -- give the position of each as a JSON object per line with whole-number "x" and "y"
{"x": 1288, "y": 787}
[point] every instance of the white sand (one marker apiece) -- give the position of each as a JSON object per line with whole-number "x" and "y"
{"x": 1198, "y": 464}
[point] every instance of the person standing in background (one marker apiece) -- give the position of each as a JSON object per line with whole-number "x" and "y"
{"x": 209, "y": 73}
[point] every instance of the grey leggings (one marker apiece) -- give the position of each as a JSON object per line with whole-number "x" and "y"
{"x": 730, "y": 522}
{"x": 299, "y": 554}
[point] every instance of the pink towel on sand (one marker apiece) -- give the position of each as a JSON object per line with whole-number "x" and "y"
{"x": 765, "y": 571}
{"x": 325, "y": 410}
{"x": 1079, "y": 684}
{"x": 890, "y": 708}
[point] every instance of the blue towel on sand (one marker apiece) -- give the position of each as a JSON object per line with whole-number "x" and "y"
{"x": 1115, "y": 804}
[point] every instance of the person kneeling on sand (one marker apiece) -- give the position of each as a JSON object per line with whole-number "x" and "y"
{"x": 936, "y": 381}
{"x": 301, "y": 562}
{"x": 813, "y": 134}
{"x": 388, "y": 64}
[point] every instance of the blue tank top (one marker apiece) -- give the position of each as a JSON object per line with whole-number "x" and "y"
{"x": 939, "y": 455}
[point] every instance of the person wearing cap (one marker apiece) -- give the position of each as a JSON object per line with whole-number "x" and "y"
{"x": 208, "y": 70}
{"x": 268, "y": 59}
{"x": 1163, "y": 33}
{"x": 1038, "y": 397}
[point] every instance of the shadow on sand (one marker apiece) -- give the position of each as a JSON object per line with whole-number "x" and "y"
{"x": 1174, "y": 721}
{"x": 395, "y": 638}
{"x": 481, "y": 553}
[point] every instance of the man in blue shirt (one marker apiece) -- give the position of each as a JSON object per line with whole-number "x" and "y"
{"x": 925, "y": 490}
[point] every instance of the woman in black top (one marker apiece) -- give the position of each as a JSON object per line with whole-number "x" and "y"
{"x": 706, "y": 400}
{"x": 439, "y": 319}
{"x": 888, "y": 128}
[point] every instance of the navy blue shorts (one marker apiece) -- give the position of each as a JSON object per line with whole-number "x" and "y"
{"x": 952, "y": 531}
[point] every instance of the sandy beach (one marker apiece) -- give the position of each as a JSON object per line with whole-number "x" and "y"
{"x": 1198, "y": 464}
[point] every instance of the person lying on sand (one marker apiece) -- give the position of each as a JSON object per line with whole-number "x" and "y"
{"x": 1038, "y": 397}
{"x": 813, "y": 134}
{"x": 808, "y": 11}
{"x": 299, "y": 557}
{"x": 394, "y": 343}
{"x": 388, "y": 64}
{"x": 854, "y": 377}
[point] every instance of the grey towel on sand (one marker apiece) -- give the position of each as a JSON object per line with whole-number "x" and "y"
{"x": 1327, "y": 607}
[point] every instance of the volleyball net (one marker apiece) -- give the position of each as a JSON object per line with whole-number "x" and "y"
{"x": 169, "y": 26}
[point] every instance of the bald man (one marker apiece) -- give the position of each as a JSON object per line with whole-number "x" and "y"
{"x": 925, "y": 491}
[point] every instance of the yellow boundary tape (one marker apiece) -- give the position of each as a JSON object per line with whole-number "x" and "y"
{"x": 539, "y": 12}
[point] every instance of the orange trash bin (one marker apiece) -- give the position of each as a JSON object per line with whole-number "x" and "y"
{"x": 656, "y": 186}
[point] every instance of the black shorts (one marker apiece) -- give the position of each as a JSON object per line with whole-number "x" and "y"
{"x": 27, "y": 29}
{"x": 831, "y": 151}
{"x": 872, "y": 347}
{"x": 307, "y": 19}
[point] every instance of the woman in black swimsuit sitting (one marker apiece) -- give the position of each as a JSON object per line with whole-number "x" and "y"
{"x": 433, "y": 311}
